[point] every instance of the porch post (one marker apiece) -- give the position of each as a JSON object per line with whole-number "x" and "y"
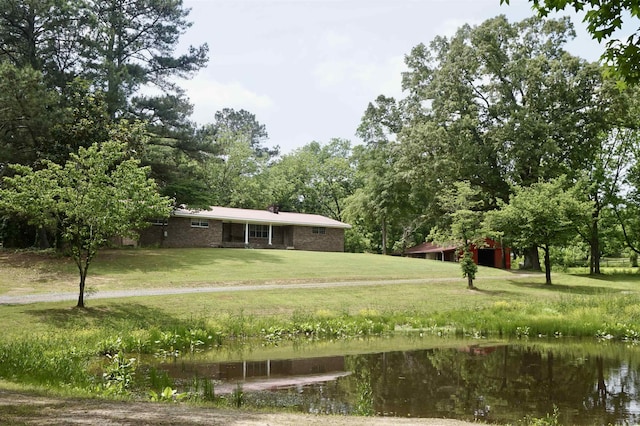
{"x": 270, "y": 233}
{"x": 246, "y": 234}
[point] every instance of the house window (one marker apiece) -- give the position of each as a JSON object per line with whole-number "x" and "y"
{"x": 320, "y": 230}
{"x": 199, "y": 223}
{"x": 160, "y": 222}
{"x": 258, "y": 231}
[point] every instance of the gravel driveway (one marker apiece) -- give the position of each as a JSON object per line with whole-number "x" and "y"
{"x": 59, "y": 297}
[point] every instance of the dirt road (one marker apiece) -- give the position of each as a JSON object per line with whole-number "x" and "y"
{"x": 23, "y": 409}
{"x": 59, "y": 297}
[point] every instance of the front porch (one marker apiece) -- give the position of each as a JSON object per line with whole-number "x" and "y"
{"x": 252, "y": 235}
{"x": 255, "y": 246}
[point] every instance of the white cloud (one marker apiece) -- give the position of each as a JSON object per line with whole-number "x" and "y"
{"x": 334, "y": 40}
{"x": 378, "y": 77}
{"x": 209, "y": 96}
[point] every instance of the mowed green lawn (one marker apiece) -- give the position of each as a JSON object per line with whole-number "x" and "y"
{"x": 25, "y": 273}
{"x": 440, "y": 288}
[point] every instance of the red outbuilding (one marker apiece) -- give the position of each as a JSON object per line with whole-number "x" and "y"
{"x": 490, "y": 254}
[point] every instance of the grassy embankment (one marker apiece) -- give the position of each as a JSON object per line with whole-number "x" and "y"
{"x": 57, "y": 346}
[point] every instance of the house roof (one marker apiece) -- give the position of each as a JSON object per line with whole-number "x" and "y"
{"x": 228, "y": 214}
{"x": 428, "y": 248}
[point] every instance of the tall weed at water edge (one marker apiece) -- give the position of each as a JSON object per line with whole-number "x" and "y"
{"x": 45, "y": 361}
{"x": 617, "y": 317}
{"x": 327, "y": 326}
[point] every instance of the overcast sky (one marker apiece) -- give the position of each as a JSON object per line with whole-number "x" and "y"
{"x": 308, "y": 68}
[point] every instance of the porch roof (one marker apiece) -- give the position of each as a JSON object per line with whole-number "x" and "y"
{"x": 229, "y": 214}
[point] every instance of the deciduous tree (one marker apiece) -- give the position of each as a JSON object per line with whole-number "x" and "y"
{"x": 603, "y": 19}
{"x": 99, "y": 193}
{"x": 499, "y": 104}
{"x": 543, "y": 215}
{"x": 461, "y": 224}
{"x": 315, "y": 178}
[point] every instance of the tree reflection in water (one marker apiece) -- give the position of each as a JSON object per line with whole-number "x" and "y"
{"x": 513, "y": 380}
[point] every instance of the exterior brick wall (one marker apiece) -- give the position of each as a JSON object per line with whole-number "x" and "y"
{"x": 305, "y": 239}
{"x": 180, "y": 233}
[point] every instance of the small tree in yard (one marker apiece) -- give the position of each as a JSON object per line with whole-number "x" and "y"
{"x": 461, "y": 225}
{"x": 542, "y": 215}
{"x": 97, "y": 194}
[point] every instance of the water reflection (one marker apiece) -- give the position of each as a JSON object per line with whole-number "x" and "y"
{"x": 500, "y": 383}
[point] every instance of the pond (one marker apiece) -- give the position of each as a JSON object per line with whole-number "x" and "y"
{"x": 500, "y": 382}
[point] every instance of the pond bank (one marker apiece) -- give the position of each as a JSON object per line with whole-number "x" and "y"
{"x": 25, "y": 409}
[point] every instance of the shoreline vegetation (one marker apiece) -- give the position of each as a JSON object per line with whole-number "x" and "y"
{"x": 91, "y": 352}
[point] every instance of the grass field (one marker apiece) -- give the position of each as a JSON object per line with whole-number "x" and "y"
{"x": 54, "y": 344}
{"x": 28, "y": 272}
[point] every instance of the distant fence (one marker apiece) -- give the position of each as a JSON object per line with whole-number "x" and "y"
{"x": 615, "y": 262}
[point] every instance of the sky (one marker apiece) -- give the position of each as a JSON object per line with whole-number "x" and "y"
{"x": 308, "y": 69}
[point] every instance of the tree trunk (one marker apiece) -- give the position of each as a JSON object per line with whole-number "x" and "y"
{"x": 594, "y": 246}
{"x": 504, "y": 255}
{"x": 532, "y": 259}
{"x": 43, "y": 240}
{"x": 83, "y": 277}
{"x": 470, "y": 282}
{"x": 384, "y": 236}
{"x": 83, "y": 266}
{"x": 547, "y": 265}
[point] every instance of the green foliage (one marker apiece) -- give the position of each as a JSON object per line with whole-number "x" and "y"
{"x": 26, "y": 115}
{"x": 570, "y": 256}
{"x": 313, "y": 179}
{"x": 542, "y": 215}
{"x": 47, "y": 360}
{"x": 159, "y": 379}
{"x": 134, "y": 46}
{"x": 99, "y": 193}
{"x": 167, "y": 395}
{"x": 461, "y": 224}
{"x": 478, "y": 106}
{"x": 71, "y": 69}
{"x": 468, "y": 266}
{"x": 603, "y": 19}
{"x": 548, "y": 420}
{"x": 119, "y": 373}
{"x": 237, "y": 396}
{"x": 46, "y": 36}
{"x": 202, "y": 389}
{"x": 244, "y": 123}
{"x": 379, "y": 207}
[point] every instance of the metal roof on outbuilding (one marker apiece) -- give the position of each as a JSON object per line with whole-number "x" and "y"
{"x": 229, "y": 214}
{"x": 428, "y": 248}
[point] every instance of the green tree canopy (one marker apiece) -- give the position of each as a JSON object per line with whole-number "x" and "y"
{"x": 461, "y": 224}
{"x": 315, "y": 178}
{"x": 603, "y": 19}
{"x": 98, "y": 193}
{"x": 542, "y": 215}
{"x": 499, "y": 104}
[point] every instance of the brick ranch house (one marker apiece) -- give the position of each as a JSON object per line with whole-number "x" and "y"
{"x": 492, "y": 254}
{"x": 231, "y": 227}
